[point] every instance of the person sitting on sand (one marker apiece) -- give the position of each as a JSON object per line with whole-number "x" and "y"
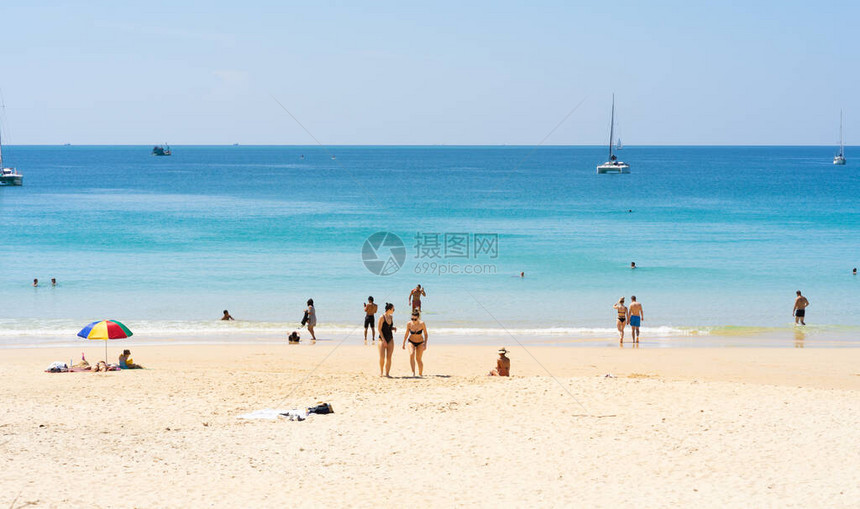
{"x": 126, "y": 362}
{"x": 226, "y": 316}
{"x": 416, "y": 333}
{"x": 622, "y": 318}
{"x": 503, "y": 364}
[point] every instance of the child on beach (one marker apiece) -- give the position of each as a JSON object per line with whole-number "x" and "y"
{"x": 126, "y": 362}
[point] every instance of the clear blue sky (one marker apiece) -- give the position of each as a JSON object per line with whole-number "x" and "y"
{"x": 440, "y": 72}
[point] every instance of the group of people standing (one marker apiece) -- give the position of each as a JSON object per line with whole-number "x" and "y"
{"x": 416, "y": 333}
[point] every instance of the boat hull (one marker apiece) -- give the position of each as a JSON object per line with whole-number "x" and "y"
{"x": 839, "y": 160}
{"x": 12, "y": 180}
{"x": 607, "y": 168}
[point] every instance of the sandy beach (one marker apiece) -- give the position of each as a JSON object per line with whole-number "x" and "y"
{"x": 674, "y": 427}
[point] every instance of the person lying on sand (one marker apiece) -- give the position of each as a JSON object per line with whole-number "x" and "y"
{"x": 101, "y": 366}
{"x": 503, "y": 364}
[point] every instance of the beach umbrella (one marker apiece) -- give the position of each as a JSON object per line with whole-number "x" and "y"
{"x": 105, "y": 330}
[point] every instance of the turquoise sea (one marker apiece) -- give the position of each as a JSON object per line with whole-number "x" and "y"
{"x": 722, "y": 237}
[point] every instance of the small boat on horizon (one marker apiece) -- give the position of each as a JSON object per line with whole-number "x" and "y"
{"x": 840, "y": 157}
{"x": 161, "y": 150}
{"x": 9, "y": 176}
{"x": 613, "y": 165}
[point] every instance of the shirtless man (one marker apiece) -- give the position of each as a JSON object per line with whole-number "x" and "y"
{"x": 503, "y": 364}
{"x": 369, "y": 314}
{"x": 226, "y": 316}
{"x": 636, "y": 317}
{"x": 415, "y": 297}
{"x": 799, "y": 310}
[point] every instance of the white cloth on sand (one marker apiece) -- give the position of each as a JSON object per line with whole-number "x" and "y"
{"x": 272, "y": 414}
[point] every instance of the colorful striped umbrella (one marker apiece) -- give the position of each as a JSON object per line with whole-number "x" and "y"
{"x": 105, "y": 330}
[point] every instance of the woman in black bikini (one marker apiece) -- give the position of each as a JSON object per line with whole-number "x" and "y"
{"x": 386, "y": 330}
{"x": 622, "y": 318}
{"x": 416, "y": 334}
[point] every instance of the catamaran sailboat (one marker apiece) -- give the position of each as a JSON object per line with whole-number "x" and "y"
{"x": 9, "y": 176}
{"x": 840, "y": 157}
{"x": 613, "y": 165}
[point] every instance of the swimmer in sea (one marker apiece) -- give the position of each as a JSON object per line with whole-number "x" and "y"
{"x": 416, "y": 334}
{"x": 226, "y": 316}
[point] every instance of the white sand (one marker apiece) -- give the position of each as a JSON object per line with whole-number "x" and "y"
{"x": 678, "y": 427}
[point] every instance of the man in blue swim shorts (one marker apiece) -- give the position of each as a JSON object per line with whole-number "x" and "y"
{"x": 636, "y": 317}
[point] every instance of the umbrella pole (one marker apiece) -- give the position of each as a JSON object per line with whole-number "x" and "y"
{"x": 106, "y": 352}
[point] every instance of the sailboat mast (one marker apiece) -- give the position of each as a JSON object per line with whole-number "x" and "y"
{"x": 611, "y": 126}
{"x": 841, "y": 146}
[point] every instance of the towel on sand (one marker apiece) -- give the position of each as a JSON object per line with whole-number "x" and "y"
{"x": 272, "y": 414}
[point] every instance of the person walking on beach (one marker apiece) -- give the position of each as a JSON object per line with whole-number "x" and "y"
{"x": 636, "y": 317}
{"x": 311, "y": 315}
{"x": 415, "y": 298}
{"x": 799, "y": 310}
{"x": 369, "y": 316}
{"x": 503, "y": 364}
{"x": 416, "y": 334}
{"x": 386, "y": 339}
{"x": 226, "y": 316}
{"x": 622, "y": 318}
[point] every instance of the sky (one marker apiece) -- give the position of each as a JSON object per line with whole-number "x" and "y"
{"x": 428, "y": 73}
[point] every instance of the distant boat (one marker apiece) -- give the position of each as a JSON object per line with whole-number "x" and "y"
{"x": 613, "y": 165}
{"x": 67, "y": 144}
{"x": 840, "y": 157}
{"x": 619, "y": 145}
{"x": 9, "y": 176}
{"x": 235, "y": 144}
{"x": 159, "y": 150}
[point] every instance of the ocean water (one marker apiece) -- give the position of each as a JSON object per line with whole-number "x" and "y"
{"x": 722, "y": 237}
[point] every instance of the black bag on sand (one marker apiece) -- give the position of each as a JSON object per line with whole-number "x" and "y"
{"x": 322, "y": 408}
